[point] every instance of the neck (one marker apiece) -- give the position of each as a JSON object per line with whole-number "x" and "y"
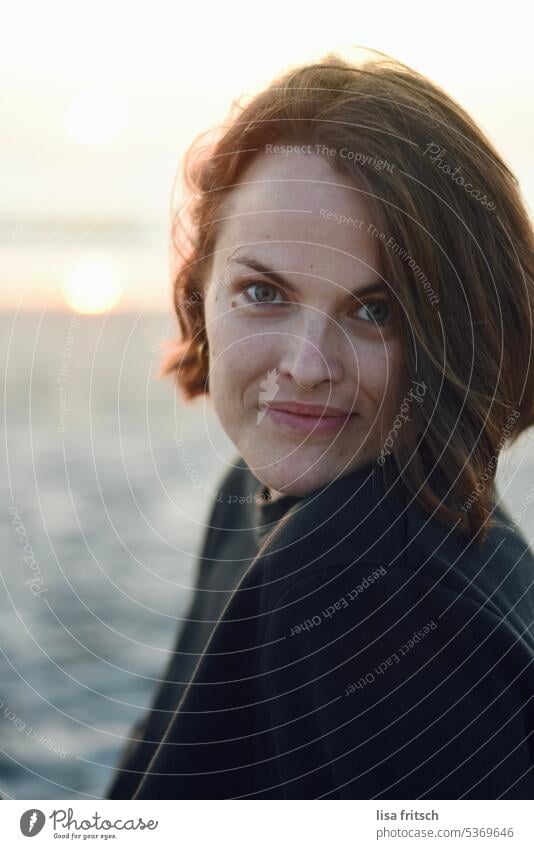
{"x": 274, "y": 494}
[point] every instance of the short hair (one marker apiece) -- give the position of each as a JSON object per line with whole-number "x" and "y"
{"x": 457, "y": 243}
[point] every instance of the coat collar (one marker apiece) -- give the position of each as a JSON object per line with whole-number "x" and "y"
{"x": 340, "y": 500}
{"x": 267, "y": 513}
{"x": 356, "y": 515}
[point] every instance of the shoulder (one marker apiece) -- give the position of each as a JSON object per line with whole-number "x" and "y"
{"x": 399, "y": 686}
{"x": 400, "y": 678}
{"x": 359, "y": 529}
{"x": 234, "y": 487}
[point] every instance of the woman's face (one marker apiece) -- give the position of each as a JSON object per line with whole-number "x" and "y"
{"x": 291, "y": 319}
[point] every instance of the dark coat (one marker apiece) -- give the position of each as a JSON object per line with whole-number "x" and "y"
{"x": 367, "y": 650}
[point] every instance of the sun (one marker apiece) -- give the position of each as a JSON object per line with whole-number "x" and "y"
{"x": 93, "y": 284}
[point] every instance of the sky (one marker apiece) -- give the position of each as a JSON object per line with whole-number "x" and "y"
{"x": 99, "y": 101}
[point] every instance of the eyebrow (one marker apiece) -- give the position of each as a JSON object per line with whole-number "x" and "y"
{"x": 251, "y": 262}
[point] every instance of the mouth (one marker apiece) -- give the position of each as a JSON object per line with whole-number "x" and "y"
{"x": 316, "y": 419}
{"x": 308, "y": 409}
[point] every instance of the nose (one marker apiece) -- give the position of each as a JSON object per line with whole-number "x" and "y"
{"x": 312, "y": 354}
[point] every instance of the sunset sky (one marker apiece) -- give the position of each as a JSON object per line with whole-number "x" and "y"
{"x": 100, "y": 100}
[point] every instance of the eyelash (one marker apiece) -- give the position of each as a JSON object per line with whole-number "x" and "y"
{"x": 249, "y": 285}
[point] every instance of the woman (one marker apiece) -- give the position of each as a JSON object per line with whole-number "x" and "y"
{"x": 356, "y": 299}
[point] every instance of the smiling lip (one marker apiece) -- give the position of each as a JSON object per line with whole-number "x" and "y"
{"x": 316, "y": 419}
{"x": 315, "y": 410}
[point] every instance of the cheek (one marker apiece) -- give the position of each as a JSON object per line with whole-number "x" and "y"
{"x": 377, "y": 371}
{"x": 238, "y": 359}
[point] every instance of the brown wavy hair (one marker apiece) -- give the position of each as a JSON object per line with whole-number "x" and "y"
{"x": 458, "y": 244}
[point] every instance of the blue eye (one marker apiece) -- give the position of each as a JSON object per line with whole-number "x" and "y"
{"x": 264, "y": 289}
{"x": 265, "y": 294}
{"x": 382, "y": 305}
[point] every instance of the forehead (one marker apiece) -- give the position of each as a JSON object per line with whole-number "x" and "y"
{"x": 297, "y": 213}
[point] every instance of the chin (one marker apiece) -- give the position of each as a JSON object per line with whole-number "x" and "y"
{"x": 296, "y": 482}
{"x": 301, "y": 476}
{"x": 299, "y": 470}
